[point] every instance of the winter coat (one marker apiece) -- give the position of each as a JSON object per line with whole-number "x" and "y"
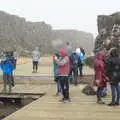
{"x": 74, "y": 58}
{"x": 7, "y": 67}
{"x": 55, "y": 66}
{"x": 81, "y": 56}
{"x": 63, "y": 63}
{"x": 36, "y": 55}
{"x": 99, "y": 68}
{"x": 113, "y": 69}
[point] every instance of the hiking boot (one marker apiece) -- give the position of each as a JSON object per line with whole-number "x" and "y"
{"x": 100, "y": 102}
{"x": 66, "y": 100}
{"x": 117, "y": 103}
{"x": 111, "y": 104}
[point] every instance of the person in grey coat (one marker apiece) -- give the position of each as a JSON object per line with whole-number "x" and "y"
{"x": 35, "y": 58}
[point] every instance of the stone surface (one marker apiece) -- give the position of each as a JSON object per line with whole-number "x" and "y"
{"x": 108, "y": 29}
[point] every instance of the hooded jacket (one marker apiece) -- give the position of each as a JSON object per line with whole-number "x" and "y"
{"x": 99, "y": 68}
{"x": 7, "y": 67}
{"x": 81, "y": 55}
{"x": 36, "y": 55}
{"x": 113, "y": 69}
{"x": 63, "y": 63}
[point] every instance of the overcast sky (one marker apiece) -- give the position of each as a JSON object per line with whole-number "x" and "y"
{"x": 62, "y": 14}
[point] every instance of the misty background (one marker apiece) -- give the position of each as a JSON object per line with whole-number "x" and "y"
{"x": 25, "y": 24}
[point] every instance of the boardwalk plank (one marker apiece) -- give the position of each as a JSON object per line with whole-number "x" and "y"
{"x": 82, "y": 107}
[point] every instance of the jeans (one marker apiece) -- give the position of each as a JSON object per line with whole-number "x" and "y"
{"x": 115, "y": 88}
{"x": 99, "y": 92}
{"x": 59, "y": 89}
{"x": 73, "y": 75}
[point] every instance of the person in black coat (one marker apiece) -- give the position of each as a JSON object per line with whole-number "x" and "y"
{"x": 112, "y": 62}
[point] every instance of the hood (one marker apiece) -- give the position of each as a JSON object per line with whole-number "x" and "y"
{"x": 78, "y": 50}
{"x": 62, "y": 52}
{"x": 101, "y": 55}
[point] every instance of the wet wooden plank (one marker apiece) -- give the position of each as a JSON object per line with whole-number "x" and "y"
{"x": 82, "y": 107}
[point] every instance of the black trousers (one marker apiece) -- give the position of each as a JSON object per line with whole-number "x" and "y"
{"x": 35, "y": 65}
{"x": 81, "y": 69}
{"x": 65, "y": 86}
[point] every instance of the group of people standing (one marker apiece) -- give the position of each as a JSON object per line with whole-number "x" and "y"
{"x": 107, "y": 69}
{"x": 65, "y": 61}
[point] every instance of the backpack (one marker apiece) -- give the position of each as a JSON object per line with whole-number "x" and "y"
{"x": 88, "y": 90}
{"x": 74, "y": 59}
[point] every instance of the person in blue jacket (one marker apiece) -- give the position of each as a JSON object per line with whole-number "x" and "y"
{"x": 82, "y": 57}
{"x": 7, "y": 68}
{"x": 80, "y": 61}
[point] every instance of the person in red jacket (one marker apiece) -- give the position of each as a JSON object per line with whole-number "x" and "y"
{"x": 100, "y": 77}
{"x": 62, "y": 73}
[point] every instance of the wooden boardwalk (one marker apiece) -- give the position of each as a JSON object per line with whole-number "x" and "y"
{"x": 82, "y": 107}
{"x": 25, "y": 91}
{"x": 48, "y": 107}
